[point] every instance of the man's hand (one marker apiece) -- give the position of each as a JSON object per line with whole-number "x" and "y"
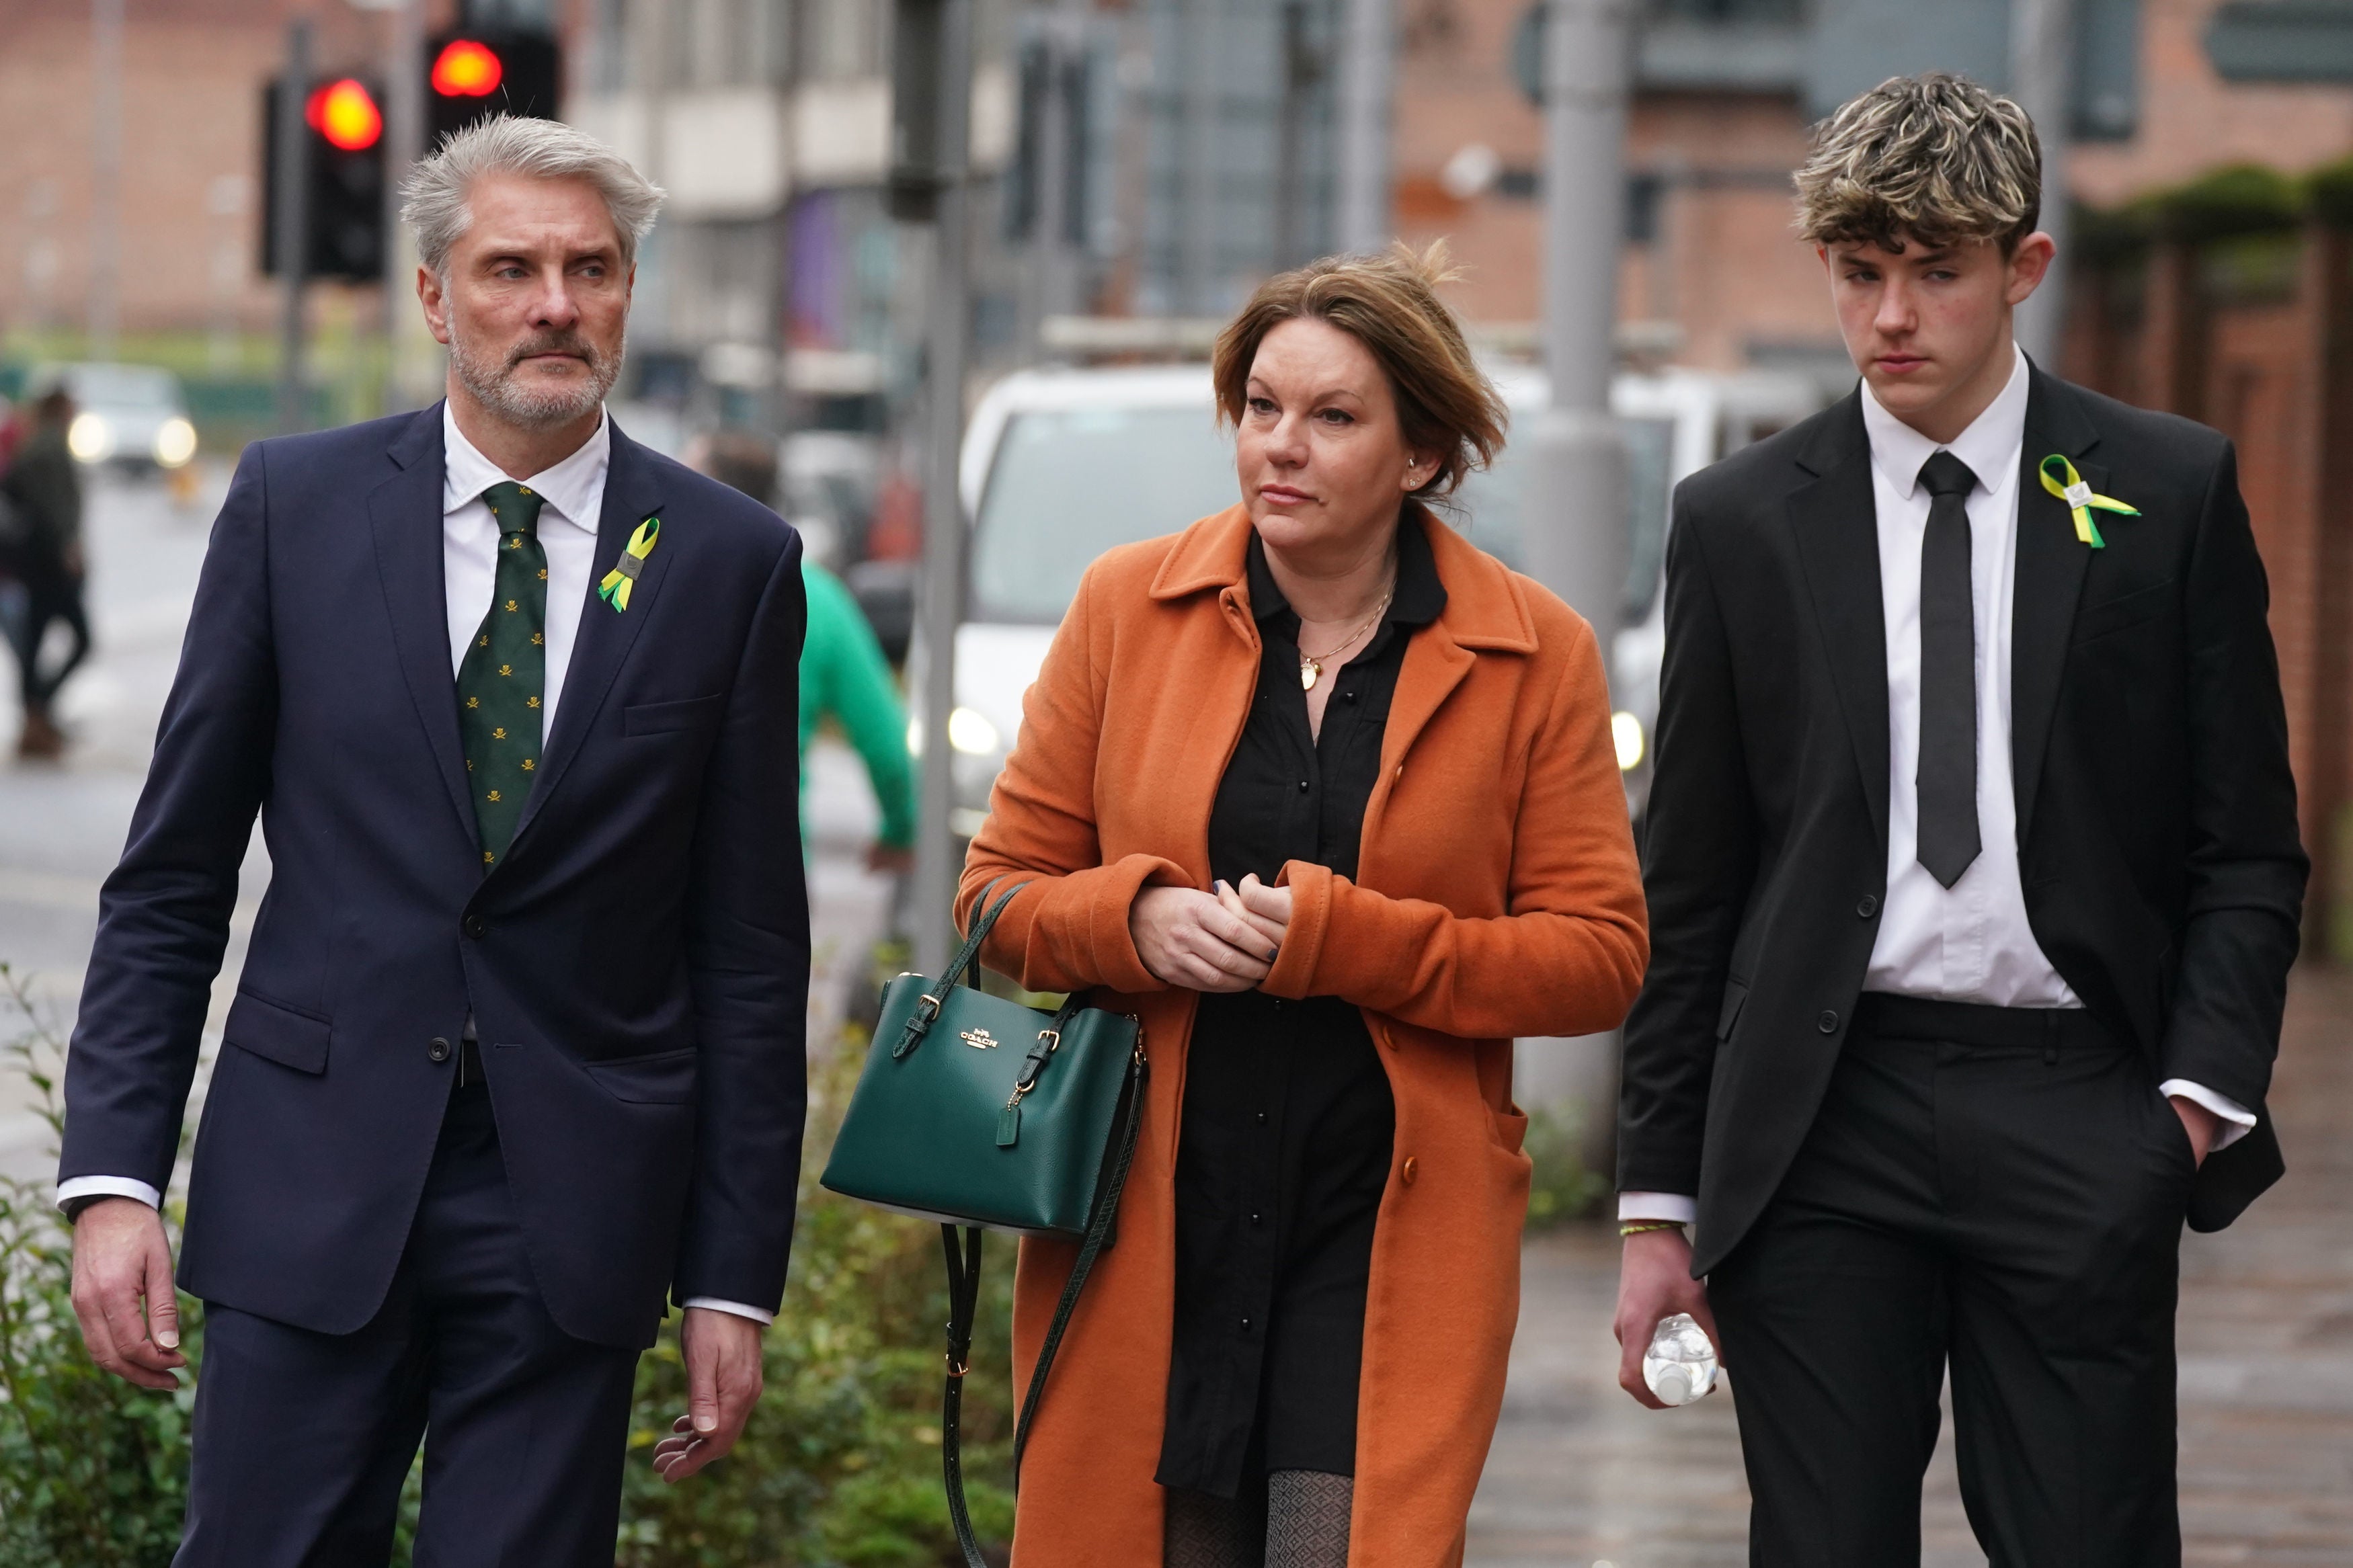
{"x": 890, "y": 859}
{"x": 123, "y": 1262}
{"x": 2201, "y": 1124}
{"x": 1654, "y": 1283}
{"x": 722, "y": 1382}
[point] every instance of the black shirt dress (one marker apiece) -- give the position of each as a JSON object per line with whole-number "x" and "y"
{"x": 1284, "y": 1146}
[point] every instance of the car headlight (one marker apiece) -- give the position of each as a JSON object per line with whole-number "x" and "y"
{"x": 1626, "y": 734}
{"x": 970, "y": 731}
{"x": 90, "y": 438}
{"x": 175, "y": 442}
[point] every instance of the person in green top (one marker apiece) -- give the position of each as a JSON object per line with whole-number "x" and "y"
{"x": 843, "y": 673}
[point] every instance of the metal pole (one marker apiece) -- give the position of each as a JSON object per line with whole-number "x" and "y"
{"x": 1576, "y": 544}
{"x": 1368, "y": 68}
{"x": 106, "y": 178}
{"x": 290, "y": 222}
{"x": 942, "y": 597}
{"x": 1579, "y": 551}
{"x": 2042, "y": 77}
{"x": 1201, "y": 228}
{"x": 404, "y": 143}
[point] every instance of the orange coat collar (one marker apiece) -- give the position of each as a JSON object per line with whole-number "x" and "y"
{"x": 1485, "y": 608}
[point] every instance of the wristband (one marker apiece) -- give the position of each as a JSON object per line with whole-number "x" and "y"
{"x": 1636, "y": 1227}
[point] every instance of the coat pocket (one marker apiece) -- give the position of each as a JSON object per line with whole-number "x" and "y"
{"x": 661, "y": 718}
{"x": 665, "y": 1077}
{"x": 1735, "y": 993}
{"x": 284, "y": 1035}
{"x": 2113, "y": 615}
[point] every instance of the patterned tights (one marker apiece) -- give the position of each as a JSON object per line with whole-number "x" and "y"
{"x": 1306, "y": 1525}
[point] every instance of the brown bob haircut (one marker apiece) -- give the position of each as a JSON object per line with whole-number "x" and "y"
{"x": 1389, "y": 303}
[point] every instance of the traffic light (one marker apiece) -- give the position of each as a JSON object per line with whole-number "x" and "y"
{"x": 916, "y": 159}
{"x": 343, "y": 160}
{"x": 472, "y": 75}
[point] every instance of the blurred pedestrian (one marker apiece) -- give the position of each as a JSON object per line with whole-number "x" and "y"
{"x": 43, "y": 486}
{"x": 1974, "y": 878}
{"x": 844, "y": 676}
{"x": 1327, "y": 797}
{"x": 517, "y": 1061}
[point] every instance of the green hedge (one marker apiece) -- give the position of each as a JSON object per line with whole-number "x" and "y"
{"x": 2235, "y": 201}
{"x": 840, "y": 1466}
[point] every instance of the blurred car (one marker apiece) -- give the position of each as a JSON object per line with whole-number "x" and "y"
{"x": 133, "y": 416}
{"x": 1059, "y": 466}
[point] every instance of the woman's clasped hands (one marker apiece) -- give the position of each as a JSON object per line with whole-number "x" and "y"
{"x": 1225, "y": 939}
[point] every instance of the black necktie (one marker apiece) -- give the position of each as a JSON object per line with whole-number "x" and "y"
{"x": 1948, "y": 780}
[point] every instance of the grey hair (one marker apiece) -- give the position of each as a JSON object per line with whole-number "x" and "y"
{"x": 434, "y": 194}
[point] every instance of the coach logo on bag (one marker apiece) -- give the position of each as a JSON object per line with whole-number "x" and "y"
{"x": 979, "y": 1039}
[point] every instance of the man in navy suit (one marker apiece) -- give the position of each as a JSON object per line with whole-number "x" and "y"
{"x": 516, "y": 1056}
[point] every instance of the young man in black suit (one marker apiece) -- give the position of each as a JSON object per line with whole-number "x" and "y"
{"x": 1974, "y": 881}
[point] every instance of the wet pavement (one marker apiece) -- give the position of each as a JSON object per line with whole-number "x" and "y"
{"x": 1581, "y": 1475}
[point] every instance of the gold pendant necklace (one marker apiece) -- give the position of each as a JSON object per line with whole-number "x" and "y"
{"x": 1311, "y": 666}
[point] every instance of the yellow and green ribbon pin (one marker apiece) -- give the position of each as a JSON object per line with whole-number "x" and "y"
{"x": 2069, "y": 486}
{"x": 615, "y": 589}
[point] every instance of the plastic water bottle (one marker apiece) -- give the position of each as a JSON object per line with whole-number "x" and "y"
{"x": 1680, "y": 1365}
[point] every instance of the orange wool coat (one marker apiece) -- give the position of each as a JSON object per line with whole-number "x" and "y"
{"x": 1497, "y": 896}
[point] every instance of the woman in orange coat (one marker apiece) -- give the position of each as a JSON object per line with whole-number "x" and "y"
{"x": 1327, "y": 798}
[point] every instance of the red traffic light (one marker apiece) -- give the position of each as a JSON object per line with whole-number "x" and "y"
{"x": 468, "y": 70}
{"x": 345, "y": 114}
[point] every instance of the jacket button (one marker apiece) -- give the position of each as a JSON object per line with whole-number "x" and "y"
{"x": 1868, "y": 907}
{"x": 1410, "y": 1170}
{"x": 438, "y": 1050}
{"x": 477, "y": 927}
{"x": 1828, "y": 1022}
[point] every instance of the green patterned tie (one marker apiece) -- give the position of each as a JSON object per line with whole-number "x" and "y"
{"x": 502, "y": 684}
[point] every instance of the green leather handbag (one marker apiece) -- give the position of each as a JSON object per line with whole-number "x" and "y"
{"x": 984, "y": 1114}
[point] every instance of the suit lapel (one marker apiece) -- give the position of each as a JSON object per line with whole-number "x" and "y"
{"x": 632, "y": 494}
{"x": 405, "y": 512}
{"x": 1836, "y": 523}
{"x": 2050, "y": 579}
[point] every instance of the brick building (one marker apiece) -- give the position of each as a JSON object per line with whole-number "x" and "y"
{"x": 193, "y": 72}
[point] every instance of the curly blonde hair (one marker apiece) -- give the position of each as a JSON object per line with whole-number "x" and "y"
{"x": 1389, "y": 303}
{"x": 1936, "y": 158}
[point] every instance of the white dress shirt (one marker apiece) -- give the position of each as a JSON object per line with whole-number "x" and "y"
{"x": 1969, "y": 942}
{"x": 573, "y": 491}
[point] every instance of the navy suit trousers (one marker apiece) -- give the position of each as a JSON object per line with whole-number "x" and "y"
{"x": 302, "y": 1439}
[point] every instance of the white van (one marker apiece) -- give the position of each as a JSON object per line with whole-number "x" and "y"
{"x": 1060, "y": 465}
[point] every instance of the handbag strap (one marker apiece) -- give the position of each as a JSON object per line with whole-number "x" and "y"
{"x": 963, "y": 1295}
{"x": 927, "y": 1011}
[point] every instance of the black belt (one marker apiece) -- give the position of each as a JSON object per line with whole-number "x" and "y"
{"x": 1890, "y": 1017}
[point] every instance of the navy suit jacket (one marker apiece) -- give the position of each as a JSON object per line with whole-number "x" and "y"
{"x": 636, "y": 964}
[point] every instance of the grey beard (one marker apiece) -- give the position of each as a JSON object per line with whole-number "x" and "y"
{"x": 492, "y": 380}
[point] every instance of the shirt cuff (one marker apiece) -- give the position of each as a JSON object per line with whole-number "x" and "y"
{"x": 2237, "y": 1119}
{"x": 108, "y": 1188}
{"x": 1670, "y": 1206}
{"x": 712, "y": 1304}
